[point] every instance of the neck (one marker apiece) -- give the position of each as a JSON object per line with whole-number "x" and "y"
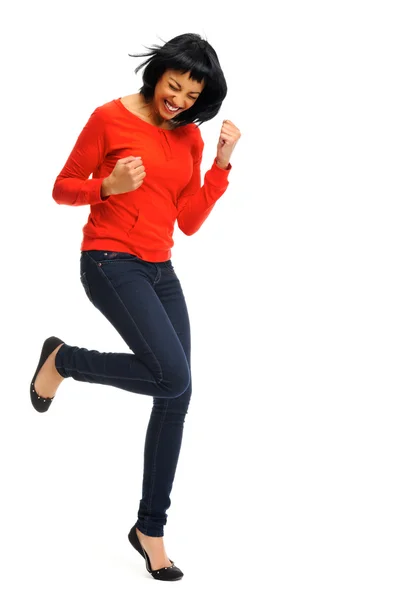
{"x": 148, "y": 111}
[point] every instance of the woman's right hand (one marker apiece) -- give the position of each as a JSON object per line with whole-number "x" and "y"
{"x": 127, "y": 176}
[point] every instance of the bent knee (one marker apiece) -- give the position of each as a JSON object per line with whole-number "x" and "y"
{"x": 176, "y": 382}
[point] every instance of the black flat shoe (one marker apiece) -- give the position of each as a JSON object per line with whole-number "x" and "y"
{"x": 171, "y": 573}
{"x": 39, "y": 403}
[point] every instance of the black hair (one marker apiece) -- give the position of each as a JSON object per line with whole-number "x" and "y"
{"x": 187, "y": 52}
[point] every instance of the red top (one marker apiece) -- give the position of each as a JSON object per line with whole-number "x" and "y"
{"x": 142, "y": 221}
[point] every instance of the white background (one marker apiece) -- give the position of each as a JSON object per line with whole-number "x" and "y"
{"x": 288, "y": 481}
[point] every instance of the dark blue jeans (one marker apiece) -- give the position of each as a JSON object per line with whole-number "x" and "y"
{"x": 145, "y": 303}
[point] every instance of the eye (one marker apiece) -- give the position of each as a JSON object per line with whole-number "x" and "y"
{"x": 176, "y": 90}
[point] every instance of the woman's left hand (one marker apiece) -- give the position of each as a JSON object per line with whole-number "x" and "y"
{"x": 228, "y": 139}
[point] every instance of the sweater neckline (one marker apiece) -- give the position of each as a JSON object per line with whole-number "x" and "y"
{"x": 146, "y": 123}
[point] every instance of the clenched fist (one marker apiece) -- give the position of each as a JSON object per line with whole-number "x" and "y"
{"x": 127, "y": 176}
{"x": 228, "y": 139}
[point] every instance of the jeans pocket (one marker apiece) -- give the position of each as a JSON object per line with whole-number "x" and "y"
{"x": 86, "y": 287}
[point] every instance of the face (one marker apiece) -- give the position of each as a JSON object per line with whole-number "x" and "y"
{"x": 175, "y": 90}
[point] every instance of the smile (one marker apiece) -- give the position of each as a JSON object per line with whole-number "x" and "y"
{"x": 170, "y": 108}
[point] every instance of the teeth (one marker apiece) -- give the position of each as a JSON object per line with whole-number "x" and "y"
{"x": 171, "y": 107}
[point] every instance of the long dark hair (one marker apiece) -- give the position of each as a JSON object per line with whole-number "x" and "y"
{"x": 186, "y": 52}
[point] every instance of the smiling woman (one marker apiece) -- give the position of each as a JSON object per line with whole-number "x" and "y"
{"x": 144, "y": 152}
{"x": 185, "y": 72}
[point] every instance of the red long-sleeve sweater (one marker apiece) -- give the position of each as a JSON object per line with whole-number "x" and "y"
{"x": 141, "y": 221}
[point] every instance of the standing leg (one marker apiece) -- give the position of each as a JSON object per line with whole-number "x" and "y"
{"x": 165, "y": 429}
{"x": 164, "y": 434}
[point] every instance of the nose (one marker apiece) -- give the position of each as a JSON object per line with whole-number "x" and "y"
{"x": 178, "y": 101}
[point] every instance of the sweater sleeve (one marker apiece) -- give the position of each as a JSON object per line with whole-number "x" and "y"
{"x": 196, "y": 201}
{"x": 73, "y": 185}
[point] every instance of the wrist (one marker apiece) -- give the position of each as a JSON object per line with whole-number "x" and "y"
{"x": 221, "y": 164}
{"x": 105, "y": 189}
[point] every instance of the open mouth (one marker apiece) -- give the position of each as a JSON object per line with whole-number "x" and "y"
{"x": 170, "y": 108}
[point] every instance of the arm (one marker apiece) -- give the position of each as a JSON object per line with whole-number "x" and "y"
{"x": 196, "y": 202}
{"x": 73, "y": 185}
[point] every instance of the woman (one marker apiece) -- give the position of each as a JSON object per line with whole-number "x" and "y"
{"x": 144, "y": 151}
